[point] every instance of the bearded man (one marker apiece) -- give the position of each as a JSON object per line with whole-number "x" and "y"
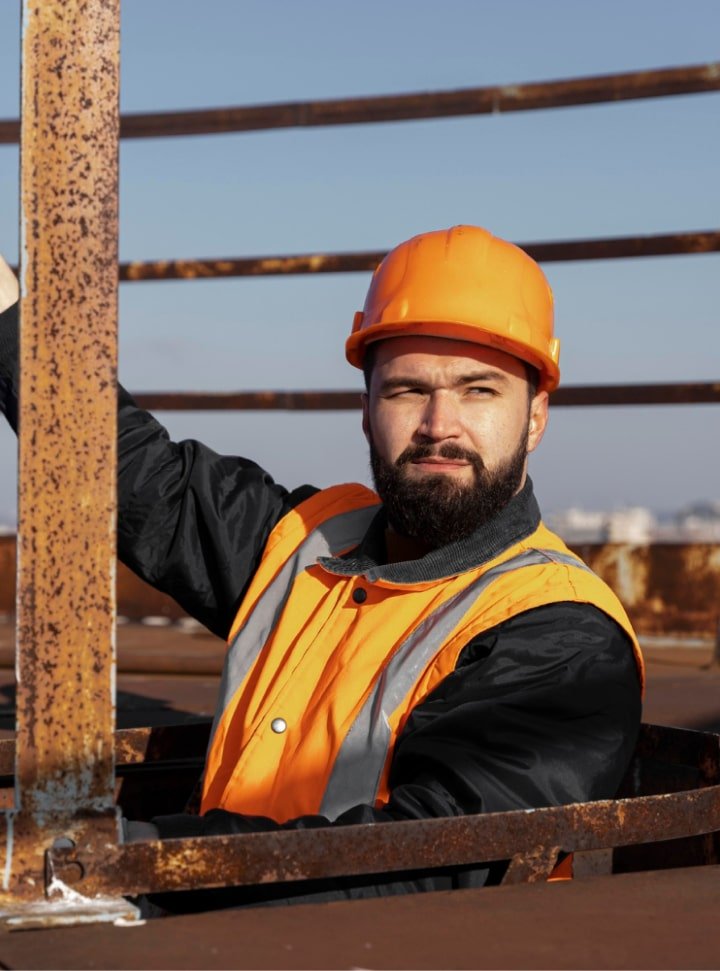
{"x": 429, "y": 649}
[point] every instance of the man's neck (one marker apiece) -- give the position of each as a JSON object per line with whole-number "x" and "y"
{"x": 400, "y": 549}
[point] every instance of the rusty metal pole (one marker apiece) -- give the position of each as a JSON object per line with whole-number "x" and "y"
{"x": 67, "y": 467}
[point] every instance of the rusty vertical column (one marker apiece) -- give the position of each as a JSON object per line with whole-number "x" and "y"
{"x": 66, "y": 548}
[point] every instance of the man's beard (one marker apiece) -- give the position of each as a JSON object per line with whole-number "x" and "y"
{"x": 436, "y": 510}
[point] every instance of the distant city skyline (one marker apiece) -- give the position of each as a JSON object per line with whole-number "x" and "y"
{"x": 618, "y": 169}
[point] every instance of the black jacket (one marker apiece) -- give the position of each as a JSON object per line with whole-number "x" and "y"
{"x": 542, "y": 710}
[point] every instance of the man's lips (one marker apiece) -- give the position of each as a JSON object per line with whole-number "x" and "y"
{"x": 439, "y": 464}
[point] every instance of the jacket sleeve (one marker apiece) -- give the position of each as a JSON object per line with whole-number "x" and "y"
{"x": 190, "y": 522}
{"x": 9, "y": 367}
{"x": 540, "y": 711}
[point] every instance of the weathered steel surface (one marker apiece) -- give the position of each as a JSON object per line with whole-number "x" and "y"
{"x": 597, "y": 395}
{"x": 664, "y": 586}
{"x": 66, "y": 550}
{"x": 611, "y": 248}
{"x": 423, "y": 844}
{"x": 598, "y": 89}
{"x": 641, "y": 920}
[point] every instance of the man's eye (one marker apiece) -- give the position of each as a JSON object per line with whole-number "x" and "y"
{"x": 481, "y": 390}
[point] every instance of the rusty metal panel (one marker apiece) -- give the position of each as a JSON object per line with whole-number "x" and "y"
{"x": 648, "y": 920}
{"x": 665, "y": 587}
{"x": 597, "y": 89}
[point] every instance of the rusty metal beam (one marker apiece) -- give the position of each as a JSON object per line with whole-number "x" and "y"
{"x": 596, "y": 395}
{"x": 136, "y": 746}
{"x": 66, "y": 541}
{"x": 365, "y": 261}
{"x": 497, "y": 99}
{"x": 687, "y": 393}
{"x": 558, "y": 251}
{"x": 417, "y": 845}
{"x": 682, "y": 801}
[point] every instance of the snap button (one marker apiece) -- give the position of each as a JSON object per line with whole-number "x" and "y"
{"x": 359, "y": 595}
{"x": 278, "y": 725}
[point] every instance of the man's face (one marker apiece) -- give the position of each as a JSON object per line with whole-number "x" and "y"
{"x": 449, "y": 424}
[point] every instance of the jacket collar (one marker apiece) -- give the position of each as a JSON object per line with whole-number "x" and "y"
{"x": 515, "y": 522}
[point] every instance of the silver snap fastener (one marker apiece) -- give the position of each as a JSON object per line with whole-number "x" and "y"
{"x": 278, "y": 725}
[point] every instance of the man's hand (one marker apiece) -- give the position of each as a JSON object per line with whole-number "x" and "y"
{"x": 9, "y": 289}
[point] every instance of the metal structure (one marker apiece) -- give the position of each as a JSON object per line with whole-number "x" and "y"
{"x": 63, "y": 832}
{"x": 629, "y": 86}
{"x": 65, "y": 628}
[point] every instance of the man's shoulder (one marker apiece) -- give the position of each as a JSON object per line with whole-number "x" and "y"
{"x": 332, "y": 498}
{"x": 563, "y": 633}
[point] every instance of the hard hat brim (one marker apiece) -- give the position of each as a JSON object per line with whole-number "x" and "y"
{"x": 546, "y": 364}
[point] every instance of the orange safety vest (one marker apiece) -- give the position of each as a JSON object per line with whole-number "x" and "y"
{"x": 324, "y": 669}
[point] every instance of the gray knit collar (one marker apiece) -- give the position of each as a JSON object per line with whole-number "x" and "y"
{"x": 517, "y": 520}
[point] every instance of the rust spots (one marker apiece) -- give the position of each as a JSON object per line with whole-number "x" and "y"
{"x": 623, "y": 247}
{"x": 67, "y": 412}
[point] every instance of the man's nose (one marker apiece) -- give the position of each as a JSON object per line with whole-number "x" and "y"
{"x": 440, "y": 418}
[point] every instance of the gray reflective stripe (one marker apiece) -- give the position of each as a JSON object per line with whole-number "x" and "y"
{"x": 329, "y": 538}
{"x": 356, "y": 773}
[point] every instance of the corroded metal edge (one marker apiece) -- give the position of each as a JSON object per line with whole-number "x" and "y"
{"x": 285, "y": 856}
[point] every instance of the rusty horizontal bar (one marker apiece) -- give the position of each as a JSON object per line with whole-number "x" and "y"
{"x": 136, "y": 746}
{"x": 610, "y": 248}
{"x": 399, "y": 846}
{"x": 557, "y": 251}
{"x": 593, "y": 395}
{"x": 687, "y": 393}
{"x": 496, "y": 99}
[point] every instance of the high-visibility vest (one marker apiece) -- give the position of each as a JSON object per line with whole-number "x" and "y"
{"x": 323, "y": 669}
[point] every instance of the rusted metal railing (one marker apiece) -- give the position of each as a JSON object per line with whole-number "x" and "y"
{"x": 64, "y": 828}
{"x": 683, "y": 803}
{"x": 558, "y": 251}
{"x": 629, "y": 86}
{"x": 689, "y": 393}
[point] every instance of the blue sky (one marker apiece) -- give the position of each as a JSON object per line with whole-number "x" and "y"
{"x": 640, "y": 167}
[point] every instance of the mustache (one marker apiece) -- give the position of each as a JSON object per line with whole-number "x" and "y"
{"x": 448, "y": 450}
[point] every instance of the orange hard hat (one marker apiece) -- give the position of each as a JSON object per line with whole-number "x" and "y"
{"x": 466, "y": 284}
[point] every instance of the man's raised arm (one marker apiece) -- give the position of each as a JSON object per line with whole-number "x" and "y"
{"x": 9, "y": 296}
{"x": 190, "y": 522}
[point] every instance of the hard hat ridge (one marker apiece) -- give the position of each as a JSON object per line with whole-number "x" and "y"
{"x": 465, "y": 284}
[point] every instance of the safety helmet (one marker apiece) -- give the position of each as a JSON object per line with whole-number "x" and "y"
{"x": 466, "y": 284}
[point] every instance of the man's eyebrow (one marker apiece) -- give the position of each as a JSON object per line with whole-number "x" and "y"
{"x": 489, "y": 374}
{"x": 408, "y": 381}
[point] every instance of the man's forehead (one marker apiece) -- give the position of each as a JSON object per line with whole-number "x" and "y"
{"x": 396, "y": 353}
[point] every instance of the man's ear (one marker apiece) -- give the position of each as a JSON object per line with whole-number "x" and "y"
{"x": 366, "y": 415}
{"x": 538, "y": 420}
